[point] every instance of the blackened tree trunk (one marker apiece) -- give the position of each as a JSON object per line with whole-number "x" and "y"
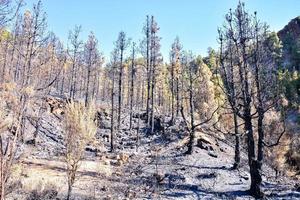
{"x": 172, "y": 94}
{"x": 177, "y": 96}
{"x": 76, "y": 44}
{"x": 112, "y": 125}
{"x": 120, "y": 90}
{"x": 237, "y": 154}
{"x": 88, "y": 83}
{"x": 131, "y": 85}
{"x": 191, "y": 102}
{"x": 147, "y": 31}
{"x": 121, "y": 46}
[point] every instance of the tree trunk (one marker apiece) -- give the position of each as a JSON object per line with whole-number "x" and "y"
{"x": 177, "y": 96}
{"x": 191, "y": 102}
{"x": 2, "y": 184}
{"x": 172, "y": 95}
{"x": 112, "y": 113}
{"x": 148, "y": 69}
{"x": 255, "y": 175}
{"x": 132, "y": 88}
{"x": 191, "y": 142}
{"x": 69, "y": 192}
{"x": 237, "y": 156}
{"x": 120, "y": 90}
{"x": 88, "y": 83}
{"x": 152, "y": 102}
{"x": 4, "y": 61}
{"x": 138, "y": 125}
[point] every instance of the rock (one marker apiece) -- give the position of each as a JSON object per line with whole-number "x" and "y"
{"x": 92, "y": 149}
{"x": 141, "y": 115}
{"x": 114, "y": 162}
{"x": 106, "y": 137}
{"x": 106, "y": 162}
{"x": 102, "y": 112}
{"x": 212, "y": 154}
{"x": 127, "y": 133}
{"x": 117, "y": 173}
{"x": 159, "y": 177}
{"x": 290, "y": 32}
{"x": 207, "y": 176}
{"x": 122, "y": 158}
{"x": 56, "y": 105}
{"x": 119, "y": 163}
{"x": 30, "y": 142}
{"x": 297, "y": 187}
{"x": 104, "y": 124}
{"x": 204, "y": 144}
{"x": 104, "y": 188}
{"x": 130, "y": 194}
{"x": 174, "y": 129}
{"x": 158, "y": 125}
{"x": 108, "y": 197}
{"x": 203, "y": 138}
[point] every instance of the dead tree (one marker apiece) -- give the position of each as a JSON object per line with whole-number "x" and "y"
{"x": 131, "y": 85}
{"x": 76, "y": 44}
{"x": 114, "y": 62}
{"x": 155, "y": 61}
{"x": 175, "y": 59}
{"x": 250, "y": 81}
{"x": 92, "y": 58}
{"x": 121, "y": 44}
{"x": 229, "y": 81}
{"x": 193, "y": 73}
{"x": 148, "y": 66}
{"x": 8, "y": 11}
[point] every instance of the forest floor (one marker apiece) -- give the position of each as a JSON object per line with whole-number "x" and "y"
{"x": 157, "y": 169}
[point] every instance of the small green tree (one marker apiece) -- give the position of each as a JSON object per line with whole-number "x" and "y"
{"x": 80, "y": 129}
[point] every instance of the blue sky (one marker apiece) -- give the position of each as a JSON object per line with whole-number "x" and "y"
{"x": 194, "y": 21}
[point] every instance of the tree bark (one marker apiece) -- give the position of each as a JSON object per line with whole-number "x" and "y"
{"x": 120, "y": 89}
{"x": 112, "y": 113}
{"x": 131, "y": 86}
{"x": 148, "y": 70}
{"x": 237, "y": 156}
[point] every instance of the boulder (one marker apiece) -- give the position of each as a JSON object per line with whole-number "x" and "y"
{"x": 56, "y": 105}
{"x": 205, "y": 143}
{"x": 105, "y": 137}
{"x": 122, "y": 158}
{"x": 297, "y": 187}
{"x": 158, "y": 125}
{"x": 104, "y": 124}
{"x": 141, "y": 115}
{"x": 212, "y": 154}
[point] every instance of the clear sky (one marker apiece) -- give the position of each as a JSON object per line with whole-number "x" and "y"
{"x": 194, "y": 21}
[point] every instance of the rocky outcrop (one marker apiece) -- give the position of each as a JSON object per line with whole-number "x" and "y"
{"x": 56, "y": 105}
{"x": 290, "y": 37}
{"x": 292, "y": 29}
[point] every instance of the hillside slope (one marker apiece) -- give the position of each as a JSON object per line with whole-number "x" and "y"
{"x": 155, "y": 169}
{"x": 290, "y": 37}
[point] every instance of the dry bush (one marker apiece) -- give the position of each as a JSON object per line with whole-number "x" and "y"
{"x": 275, "y": 156}
{"x": 46, "y": 191}
{"x": 13, "y": 103}
{"x": 80, "y": 129}
{"x": 293, "y": 154}
{"x": 284, "y": 157}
